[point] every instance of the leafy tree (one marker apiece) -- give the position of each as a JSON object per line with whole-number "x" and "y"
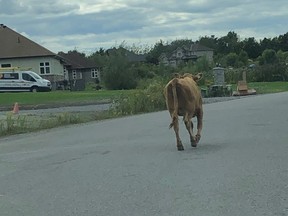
{"x": 210, "y": 42}
{"x": 252, "y": 47}
{"x": 282, "y": 56}
{"x": 283, "y": 42}
{"x": 232, "y": 59}
{"x": 266, "y": 43}
{"x": 99, "y": 57}
{"x": 117, "y": 74}
{"x": 179, "y": 43}
{"x": 228, "y": 43}
{"x": 269, "y": 56}
{"x": 154, "y": 54}
{"x": 202, "y": 64}
{"x": 243, "y": 57}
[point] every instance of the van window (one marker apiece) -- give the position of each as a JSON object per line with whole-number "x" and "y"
{"x": 27, "y": 77}
{"x": 10, "y": 76}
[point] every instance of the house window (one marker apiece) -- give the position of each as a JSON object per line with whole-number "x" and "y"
{"x": 74, "y": 74}
{"x": 65, "y": 72}
{"x": 5, "y": 65}
{"x": 80, "y": 75}
{"x": 95, "y": 73}
{"x": 44, "y": 68}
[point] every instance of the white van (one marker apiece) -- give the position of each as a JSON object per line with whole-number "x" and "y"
{"x": 18, "y": 81}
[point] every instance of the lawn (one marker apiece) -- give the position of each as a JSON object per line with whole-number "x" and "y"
{"x": 52, "y": 97}
{"x": 266, "y": 87}
{"x": 269, "y": 87}
{"x": 28, "y": 98}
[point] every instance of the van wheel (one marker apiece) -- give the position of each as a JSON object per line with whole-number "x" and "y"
{"x": 34, "y": 89}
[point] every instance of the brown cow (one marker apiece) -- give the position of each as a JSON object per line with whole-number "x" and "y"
{"x": 183, "y": 98}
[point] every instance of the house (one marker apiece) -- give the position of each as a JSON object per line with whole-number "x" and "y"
{"x": 19, "y": 51}
{"x": 79, "y": 70}
{"x": 185, "y": 54}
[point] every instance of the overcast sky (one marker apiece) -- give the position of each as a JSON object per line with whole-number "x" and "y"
{"x": 87, "y": 25}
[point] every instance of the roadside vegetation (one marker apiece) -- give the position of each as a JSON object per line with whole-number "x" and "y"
{"x": 123, "y": 103}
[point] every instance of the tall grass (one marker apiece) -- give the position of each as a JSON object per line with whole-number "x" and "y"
{"x": 149, "y": 99}
{"x": 13, "y": 124}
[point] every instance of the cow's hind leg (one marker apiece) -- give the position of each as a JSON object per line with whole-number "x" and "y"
{"x": 189, "y": 126}
{"x": 175, "y": 125}
{"x": 199, "y": 125}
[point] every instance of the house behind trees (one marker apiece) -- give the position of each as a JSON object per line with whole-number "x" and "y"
{"x": 185, "y": 54}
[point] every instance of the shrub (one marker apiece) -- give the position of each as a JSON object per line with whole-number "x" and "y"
{"x": 149, "y": 99}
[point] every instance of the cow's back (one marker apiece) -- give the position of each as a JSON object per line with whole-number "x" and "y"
{"x": 188, "y": 95}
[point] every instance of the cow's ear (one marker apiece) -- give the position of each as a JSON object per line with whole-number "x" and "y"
{"x": 197, "y": 77}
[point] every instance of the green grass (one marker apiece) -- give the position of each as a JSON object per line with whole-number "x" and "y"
{"x": 269, "y": 87}
{"x": 266, "y": 87}
{"x": 28, "y": 98}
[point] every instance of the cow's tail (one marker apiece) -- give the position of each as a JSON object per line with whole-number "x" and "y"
{"x": 175, "y": 99}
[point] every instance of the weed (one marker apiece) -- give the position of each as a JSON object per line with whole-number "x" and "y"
{"x": 148, "y": 99}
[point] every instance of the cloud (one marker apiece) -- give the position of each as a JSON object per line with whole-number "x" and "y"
{"x": 62, "y": 25}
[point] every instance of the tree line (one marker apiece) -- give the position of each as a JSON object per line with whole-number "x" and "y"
{"x": 267, "y": 59}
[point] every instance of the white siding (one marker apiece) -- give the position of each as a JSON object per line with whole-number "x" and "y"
{"x": 56, "y": 68}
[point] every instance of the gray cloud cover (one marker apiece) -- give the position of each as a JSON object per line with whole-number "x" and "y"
{"x": 62, "y": 25}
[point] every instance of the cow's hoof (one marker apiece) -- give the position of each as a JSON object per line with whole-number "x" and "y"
{"x": 194, "y": 143}
{"x": 180, "y": 148}
{"x": 198, "y": 137}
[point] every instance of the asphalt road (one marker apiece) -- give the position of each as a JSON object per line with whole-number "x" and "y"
{"x": 130, "y": 166}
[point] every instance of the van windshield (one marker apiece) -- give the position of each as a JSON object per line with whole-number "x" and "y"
{"x": 35, "y": 75}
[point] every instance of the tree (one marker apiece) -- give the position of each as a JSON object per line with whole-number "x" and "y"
{"x": 243, "y": 57}
{"x": 252, "y": 47}
{"x": 232, "y": 59}
{"x": 269, "y": 56}
{"x": 210, "y": 42}
{"x": 154, "y": 54}
{"x": 117, "y": 73}
{"x": 283, "y": 42}
{"x": 229, "y": 43}
{"x": 99, "y": 57}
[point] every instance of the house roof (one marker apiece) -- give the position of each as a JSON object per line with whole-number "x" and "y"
{"x": 15, "y": 45}
{"x": 199, "y": 47}
{"x": 76, "y": 60}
